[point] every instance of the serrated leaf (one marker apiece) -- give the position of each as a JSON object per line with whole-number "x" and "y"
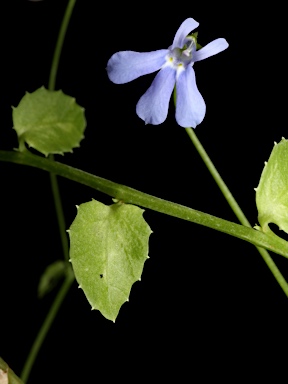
{"x": 49, "y": 279}
{"x": 49, "y": 121}
{"x": 272, "y": 191}
{"x": 108, "y": 248}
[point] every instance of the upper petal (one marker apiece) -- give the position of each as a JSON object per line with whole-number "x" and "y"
{"x": 153, "y": 105}
{"x": 210, "y": 49}
{"x": 126, "y": 66}
{"x": 185, "y": 28}
{"x": 190, "y": 106}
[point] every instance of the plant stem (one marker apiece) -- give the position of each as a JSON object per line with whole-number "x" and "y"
{"x": 59, "y": 213}
{"x": 59, "y": 44}
{"x": 51, "y": 87}
{"x": 58, "y": 206}
{"x": 235, "y": 207}
{"x": 46, "y": 325}
{"x": 132, "y": 196}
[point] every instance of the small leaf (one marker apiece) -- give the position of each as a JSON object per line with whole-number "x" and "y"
{"x": 108, "y": 248}
{"x": 49, "y": 121}
{"x": 272, "y": 191}
{"x": 52, "y": 274}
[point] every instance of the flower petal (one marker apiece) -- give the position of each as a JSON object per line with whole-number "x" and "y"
{"x": 153, "y": 105}
{"x": 126, "y": 66}
{"x": 185, "y": 28}
{"x": 211, "y": 49}
{"x": 190, "y": 106}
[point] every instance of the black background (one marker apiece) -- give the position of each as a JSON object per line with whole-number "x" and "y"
{"x": 205, "y": 299}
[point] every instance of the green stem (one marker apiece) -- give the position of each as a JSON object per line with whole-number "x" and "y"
{"x": 58, "y": 206}
{"x": 132, "y": 196}
{"x": 46, "y": 325}
{"x": 235, "y": 207}
{"x": 59, "y": 213}
{"x": 59, "y": 44}
{"x": 51, "y": 87}
{"x": 218, "y": 179}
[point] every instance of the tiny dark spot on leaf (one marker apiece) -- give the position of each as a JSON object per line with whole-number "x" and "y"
{"x": 101, "y": 275}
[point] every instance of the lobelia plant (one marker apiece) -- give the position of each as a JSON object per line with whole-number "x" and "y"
{"x": 109, "y": 243}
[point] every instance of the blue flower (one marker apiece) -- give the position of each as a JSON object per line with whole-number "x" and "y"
{"x": 176, "y": 67}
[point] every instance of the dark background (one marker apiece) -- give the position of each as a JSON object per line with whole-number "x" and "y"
{"x": 205, "y": 299}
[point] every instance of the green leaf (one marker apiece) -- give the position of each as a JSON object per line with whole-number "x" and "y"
{"x": 52, "y": 274}
{"x": 108, "y": 248}
{"x": 49, "y": 121}
{"x": 272, "y": 191}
